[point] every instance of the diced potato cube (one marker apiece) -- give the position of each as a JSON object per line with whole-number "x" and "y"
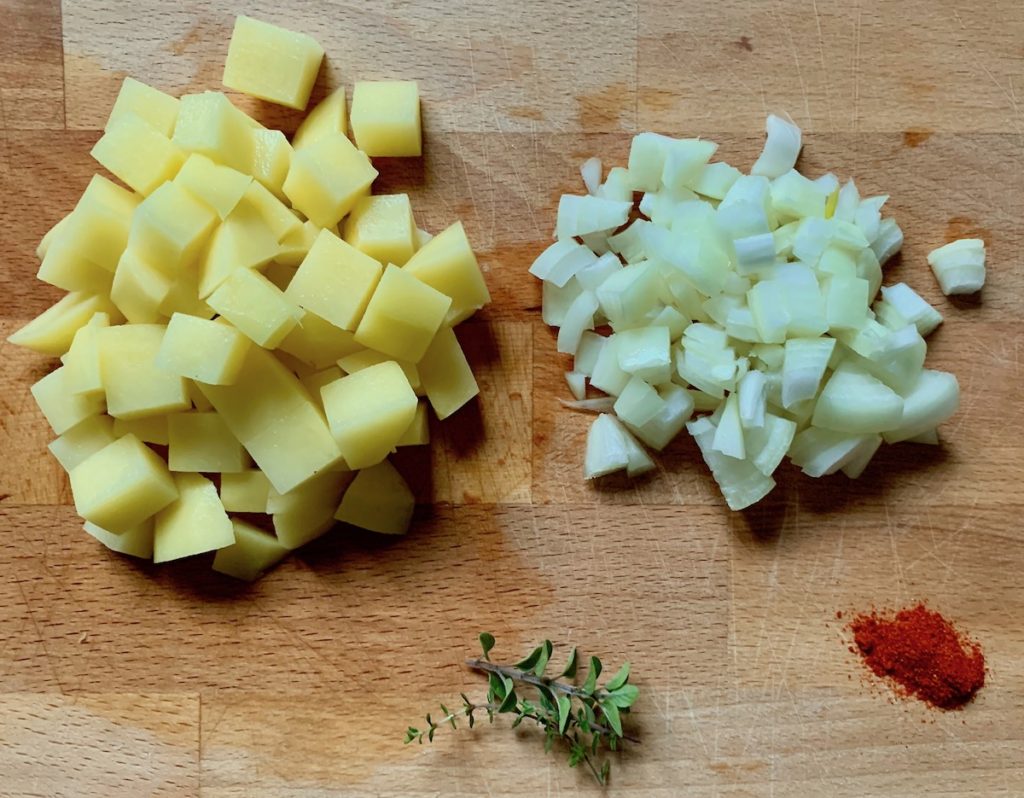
{"x": 280, "y": 220}
{"x": 184, "y": 297}
{"x": 83, "y": 358}
{"x": 447, "y": 263}
{"x": 272, "y": 157}
{"x": 378, "y": 500}
{"x": 199, "y": 400}
{"x": 122, "y": 485}
{"x": 305, "y": 513}
{"x": 50, "y": 235}
{"x": 220, "y": 187}
{"x": 64, "y": 266}
{"x": 448, "y": 380}
{"x": 135, "y": 542}
{"x": 329, "y": 116}
{"x": 62, "y": 408}
{"x": 82, "y": 441}
{"x": 317, "y": 342}
{"x": 203, "y": 442}
{"x": 383, "y": 228}
{"x": 335, "y": 281}
{"x": 403, "y": 316}
{"x": 318, "y": 379}
{"x": 327, "y": 177}
{"x": 418, "y": 433}
{"x": 386, "y": 118}
{"x": 158, "y": 109}
{"x": 194, "y": 523}
{"x": 209, "y": 124}
{"x": 241, "y": 242}
{"x": 256, "y": 306}
{"x": 140, "y": 289}
{"x": 151, "y": 429}
{"x": 279, "y": 274}
{"x": 245, "y": 491}
{"x": 270, "y": 413}
{"x": 170, "y": 228}
{"x": 135, "y": 387}
{"x": 53, "y": 331}
{"x": 358, "y": 361}
{"x": 253, "y": 553}
{"x": 202, "y": 350}
{"x": 297, "y": 245}
{"x": 139, "y": 154}
{"x": 272, "y": 63}
{"x": 368, "y": 412}
{"x": 99, "y": 226}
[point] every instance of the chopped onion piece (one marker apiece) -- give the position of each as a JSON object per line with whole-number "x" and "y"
{"x": 929, "y": 438}
{"x": 752, "y": 391}
{"x": 739, "y": 480}
{"x": 607, "y": 450}
{"x": 579, "y": 317}
{"x": 593, "y": 275}
{"x": 769, "y": 443}
{"x": 959, "y": 266}
{"x": 617, "y": 186}
{"x": 555, "y": 301}
{"x": 889, "y": 240}
{"x": 820, "y": 452}
{"x": 781, "y": 148}
{"x": 729, "y": 435}
{"x": 560, "y": 262}
{"x": 794, "y": 196}
{"x": 858, "y": 460}
{"x": 854, "y": 401}
{"x": 607, "y": 376}
{"x": 590, "y": 171}
{"x": 685, "y": 159}
{"x": 804, "y": 366}
{"x": 715, "y": 180}
{"x": 846, "y": 303}
{"x": 629, "y": 293}
{"x": 754, "y": 252}
{"x": 868, "y": 216}
{"x": 600, "y": 404}
{"x": 932, "y": 400}
{"x": 639, "y": 462}
{"x": 638, "y": 403}
{"x": 578, "y": 216}
{"x": 647, "y": 156}
{"x": 911, "y": 307}
{"x": 589, "y": 348}
{"x": 677, "y": 407}
{"x": 847, "y": 203}
{"x": 646, "y": 353}
{"x": 577, "y": 383}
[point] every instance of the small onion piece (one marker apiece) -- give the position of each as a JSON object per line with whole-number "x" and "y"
{"x": 781, "y": 148}
{"x": 959, "y": 266}
{"x": 590, "y": 171}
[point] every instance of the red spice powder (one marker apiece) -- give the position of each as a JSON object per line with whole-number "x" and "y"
{"x": 922, "y": 653}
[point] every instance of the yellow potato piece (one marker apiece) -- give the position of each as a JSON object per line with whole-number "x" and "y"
{"x": 122, "y": 485}
{"x": 447, "y": 263}
{"x": 335, "y": 281}
{"x": 386, "y": 118}
{"x": 99, "y": 226}
{"x": 170, "y": 228}
{"x": 138, "y": 154}
{"x": 209, "y": 124}
{"x": 220, "y": 187}
{"x": 51, "y": 234}
{"x": 272, "y": 63}
{"x": 448, "y": 380}
{"x": 318, "y": 379}
{"x": 135, "y": 542}
{"x": 83, "y": 358}
{"x": 295, "y": 246}
{"x": 156, "y": 108}
{"x": 358, "y": 361}
{"x": 241, "y": 242}
{"x": 379, "y": 500}
{"x": 272, "y": 157}
{"x": 256, "y": 306}
{"x": 418, "y": 433}
{"x": 383, "y": 228}
{"x": 140, "y": 289}
{"x": 253, "y": 553}
{"x": 202, "y": 350}
{"x": 317, "y": 342}
{"x": 327, "y": 177}
{"x": 53, "y": 331}
{"x": 368, "y": 412}
{"x": 329, "y": 116}
{"x": 135, "y": 387}
{"x": 83, "y": 440}
{"x": 245, "y": 491}
{"x": 151, "y": 429}
{"x": 184, "y": 296}
{"x": 203, "y": 442}
{"x": 62, "y": 408}
{"x": 270, "y": 413}
{"x": 281, "y": 221}
{"x": 403, "y": 316}
{"x": 193, "y": 524}
{"x": 307, "y": 512}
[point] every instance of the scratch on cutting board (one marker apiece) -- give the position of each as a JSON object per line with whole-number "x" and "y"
{"x": 856, "y": 72}
{"x": 824, "y": 68}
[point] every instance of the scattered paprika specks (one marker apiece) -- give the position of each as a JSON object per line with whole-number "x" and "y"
{"x": 922, "y": 653}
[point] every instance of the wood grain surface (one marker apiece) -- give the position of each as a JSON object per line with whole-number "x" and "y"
{"x": 120, "y": 679}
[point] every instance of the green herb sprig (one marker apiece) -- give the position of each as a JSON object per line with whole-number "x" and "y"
{"x": 586, "y": 718}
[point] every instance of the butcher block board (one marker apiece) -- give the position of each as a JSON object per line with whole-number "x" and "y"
{"x": 121, "y": 679}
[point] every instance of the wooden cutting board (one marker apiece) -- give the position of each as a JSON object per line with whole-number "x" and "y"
{"x": 118, "y": 679}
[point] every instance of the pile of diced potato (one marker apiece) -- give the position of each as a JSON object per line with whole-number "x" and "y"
{"x": 247, "y": 306}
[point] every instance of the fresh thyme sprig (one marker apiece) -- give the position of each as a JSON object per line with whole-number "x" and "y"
{"x": 586, "y": 718}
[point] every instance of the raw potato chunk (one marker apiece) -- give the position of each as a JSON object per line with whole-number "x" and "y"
{"x": 304, "y": 514}
{"x": 379, "y": 500}
{"x": 203, "y": 442}
{"x": 245, "y": 491}
{"x": 256, "y": 307}
{"x": 62, "y": 408}
{"x": 202, "y": 350}
{"x": 50, "y": 235}
{"x": 418, "y": 433}
{"x": 358, "y": 361}
{"x": 270, "y": 413}
{"x": 447, "y": 263}
{"x": 253, "y": 553}
{"x": 369, "y": 411}
{"x": 383, "y": 228}
{"x": 193, "y": 524}
{"x": 280, "y": 220}
{"x": 138, "y": 154}
{"x": 241, "y": 242}
{"x": 134, "y": 385}
{"x": 140, "y": 289}
{"x": 272, "y": 63}
{"x": 386, "y": 118}
{"x": 330, "y": 116}
{"x": 183, "y": 297}
{"x": 170, "y": 227}
{"x": 135, "y": 542}
{"x": 83, "y": 358}
{"x": 159, "y": 110}
{"x": 335, "y": 281}
{"x": 122, "y": 485}
{"x": 220, "y": 187}
{"x": 327, "y": 177}
{"x": 314, "y": 382}
{"x": 318, "y": 343}
{"x": 98, "y": 228}
{"x": 151, "y": 429}
{"x": 82, "y": 441}
{"x": 209, "y": 124}
{"x": 448, "y": 381}
{"x": 403, "y": 316}
{"x": 271, "y": 159}
{"x": 294, "y": 248}
{"x": 53, "y": 330}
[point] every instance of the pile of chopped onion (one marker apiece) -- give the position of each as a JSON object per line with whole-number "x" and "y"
{"x": 751, "y": 298}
